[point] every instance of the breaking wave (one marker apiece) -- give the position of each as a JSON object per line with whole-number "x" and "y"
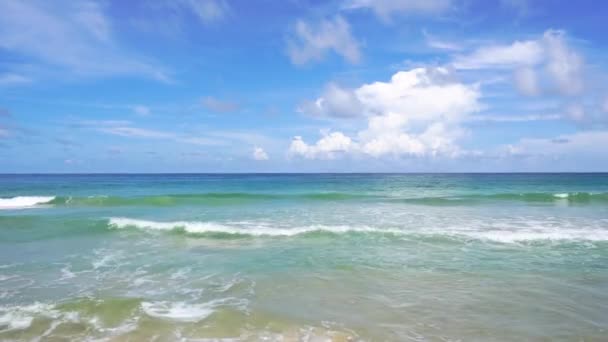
{"x": 23, "y": 202}
{"x": 243, "y": 230}
{"x": 507, "y": 235}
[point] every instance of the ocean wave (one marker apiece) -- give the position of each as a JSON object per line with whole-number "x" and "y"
{"x": 579, "y": 197}
{"x": 506, "y": 235}
{"x": 180, "y": 312}
{"x": 528, "y": 197}
{"x": 24, "y": 202}
{"x": 241, "y": 198}
{"x": 21, "y": 317}
{"x": 188, "y": 312}
{"x": 18, "y": 319}
{"x": 248, "y": 230}
{"x": 211, "y": 199}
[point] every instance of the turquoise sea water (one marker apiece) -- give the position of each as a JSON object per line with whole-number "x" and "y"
{"x": 386, "y": 257}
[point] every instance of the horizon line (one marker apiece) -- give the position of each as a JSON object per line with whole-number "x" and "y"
{"x": 294, "y": 173}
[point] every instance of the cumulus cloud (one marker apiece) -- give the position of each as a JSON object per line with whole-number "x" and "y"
{"x": 310, "y": 42}
{"x": 259, "y": 154}
{"x": 526, "y": 81}
{"x": 386, "y": 8}
{"x": 328, "y": 147}
{"x": 417, "y": 113}
{"x": 141, "y": 110}
{"x": 549, "y": 56}
{"x": 335, "y": 102}
{"x": 564, "y": 64}
{"x": 220, "y": 106}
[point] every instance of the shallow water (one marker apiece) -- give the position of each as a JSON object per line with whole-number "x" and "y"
{"x": 505, "y": 257}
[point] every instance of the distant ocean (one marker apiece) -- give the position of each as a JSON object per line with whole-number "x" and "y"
{"x": 304, "y": 257}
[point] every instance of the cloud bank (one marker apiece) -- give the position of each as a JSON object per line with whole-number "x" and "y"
{"x": 417, "y": 113}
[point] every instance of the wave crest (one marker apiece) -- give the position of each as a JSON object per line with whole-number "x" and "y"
{"x": 250, "y": 230}
{"x": 23, "y": 202}
{"x": 506, "y": 235}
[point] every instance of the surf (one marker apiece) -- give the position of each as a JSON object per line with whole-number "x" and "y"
{"x": 505, "y": 235}
{"x": 24, "y": 202}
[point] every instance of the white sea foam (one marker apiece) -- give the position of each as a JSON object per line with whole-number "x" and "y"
{"x": 564, "y": 195}
{"x": 66, "y": 273}
{"x": 23, "y": 202}
{"x": 179, "y": 311}
{"x": 21, "y": 317}
{"x": 512, "y": 233}
{"x": 253, "y": 230}
{"x": 190, "y": 312}
{"x": 539, "y": 235}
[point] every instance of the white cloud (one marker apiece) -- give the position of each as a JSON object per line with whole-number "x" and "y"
{"x": 515, "y": 118}
{"x": 564, "y": 65}
{"x": 200, "y": 137}
{"x": 13, "y": 79}
{"x": 328, "y": 147}
{"x": 141, "y": 110}
{"x": 437, "y": 139}
{"x": 208, "y": 11}
{"x": 439, "y": 44}
{"x": 576, "y": 113}
{"x": 526, "y": 81}
{"x": 127, "y": 131}
{"x": 518, "y": 54}
{"x": 219, "y": 106}
{"x": 335, "y": 102}
{"x": 423, "y": 94}
{"x": 310, "y": 42}
{"x": 259, "y": 154}
{"x": 74, "y": 36}
{"x": 386, "y": 8}
{"x": 580, "y": 144}
{"x": 549, "y": 56}
{"x": 417, "y": 113}
{"x": 586, "y": 115}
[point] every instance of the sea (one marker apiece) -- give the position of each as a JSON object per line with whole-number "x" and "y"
{"x": 304, "y": 257}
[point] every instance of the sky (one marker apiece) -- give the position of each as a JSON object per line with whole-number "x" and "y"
{"x": 303, "y": 86}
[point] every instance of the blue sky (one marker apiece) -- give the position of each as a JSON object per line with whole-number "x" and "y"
{"x": 303, "y": 86}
